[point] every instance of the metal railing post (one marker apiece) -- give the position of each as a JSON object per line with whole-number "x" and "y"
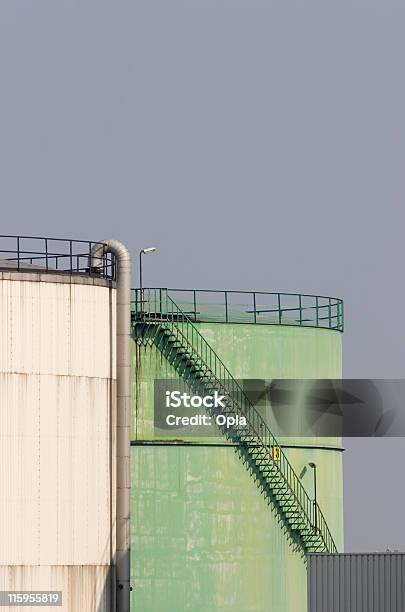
{"x": 254, "y": 308}
{"x": 300, "y": 306}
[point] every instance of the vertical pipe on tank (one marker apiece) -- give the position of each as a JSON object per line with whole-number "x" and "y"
{"x": 123, "y": 414}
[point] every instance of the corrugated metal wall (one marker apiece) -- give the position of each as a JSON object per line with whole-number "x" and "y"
{"x": 57, "y": 466}
{"x": 372, "y": 582}
{"x": 85, "y": 588}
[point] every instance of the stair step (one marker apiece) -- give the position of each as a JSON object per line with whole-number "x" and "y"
{"x": 269, "y": 469}
{"x": 283, "y": 497}
{"x": 281, "y": 487}
{"x": 257, "y": 450}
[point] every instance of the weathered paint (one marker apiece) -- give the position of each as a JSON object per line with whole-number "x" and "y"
{"x": 57, "y": 381}
{"x": 57, "y": 329}
{"x": 85, "y": 588}
{"x": 204, "y": 538}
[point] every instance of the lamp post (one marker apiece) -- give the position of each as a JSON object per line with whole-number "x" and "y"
{"x": 313, "y": 466}
{"x": 143, "y": 252}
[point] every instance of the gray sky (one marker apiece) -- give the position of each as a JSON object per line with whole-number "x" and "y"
{"x": 259, "y": 145}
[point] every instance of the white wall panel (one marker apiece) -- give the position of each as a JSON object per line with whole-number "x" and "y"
{"x": 55, "y": 469}
{"x": 57, "y": 328}
{"x": 84, "y": 588}
{"x": 57, "y": 459}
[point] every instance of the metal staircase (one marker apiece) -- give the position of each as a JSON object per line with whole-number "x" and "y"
{"x": 159, "y": 320}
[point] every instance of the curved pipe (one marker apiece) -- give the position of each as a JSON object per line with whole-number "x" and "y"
{"x": 123, "y": 498}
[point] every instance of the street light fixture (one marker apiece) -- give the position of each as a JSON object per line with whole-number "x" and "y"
{"x": 313, "y": 466}
{"x": 143, "y": 252}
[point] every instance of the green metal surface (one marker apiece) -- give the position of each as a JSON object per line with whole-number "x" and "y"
{"x": 204, "y": 539}
{"x": 253, "y": 352}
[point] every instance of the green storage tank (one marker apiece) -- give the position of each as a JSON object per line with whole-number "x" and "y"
{"x": 204, "y": 537}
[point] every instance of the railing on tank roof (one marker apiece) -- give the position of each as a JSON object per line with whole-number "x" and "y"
{"x": 259, "y": 307}
{"x": 53, "y": 255}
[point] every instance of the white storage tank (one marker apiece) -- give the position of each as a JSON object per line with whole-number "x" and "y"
{"x": 57, "y": 423}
